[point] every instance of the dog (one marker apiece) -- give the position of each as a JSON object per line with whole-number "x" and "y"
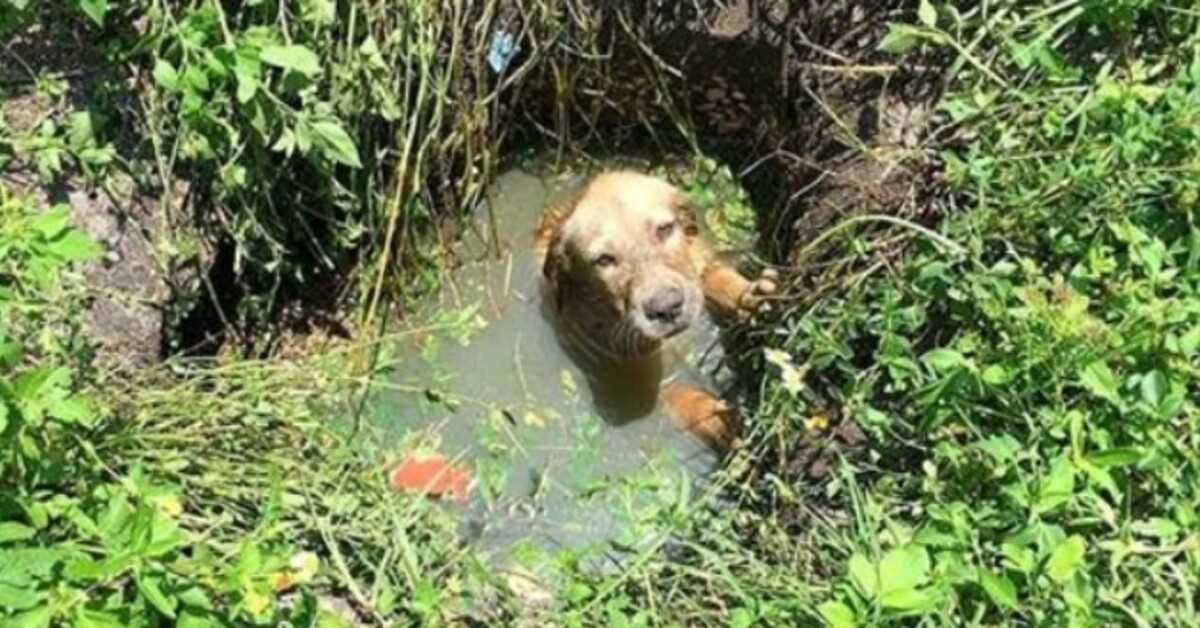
{"x": 625, "y": 273}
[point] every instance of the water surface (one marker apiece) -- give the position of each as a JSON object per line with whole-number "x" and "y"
{"x": 483, "y": 378}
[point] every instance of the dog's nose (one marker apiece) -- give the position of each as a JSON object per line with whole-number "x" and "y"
{"x": 665, "y": 306}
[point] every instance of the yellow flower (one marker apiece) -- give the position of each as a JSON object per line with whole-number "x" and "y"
{"x": 817, "y": 422}
{"x": 170, "y": 505}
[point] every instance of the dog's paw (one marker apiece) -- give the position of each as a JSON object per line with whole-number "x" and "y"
{"x": 756, "y": 297}
{"x": 702, "y": 414}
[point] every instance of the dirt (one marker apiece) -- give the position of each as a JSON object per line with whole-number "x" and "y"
{"x": 130, "y": 287}
{"x": 794, "y": 96}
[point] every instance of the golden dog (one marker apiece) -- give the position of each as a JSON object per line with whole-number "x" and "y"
{"x": 626, "y": 272}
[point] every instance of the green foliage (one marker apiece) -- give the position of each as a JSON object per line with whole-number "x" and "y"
{"x": 322, "y": 133}
{"x": 1030, "y": 404}
{"x": 16, "y": 13}
{"x": 1047, "y": 381}
{"x": 215, "y": 498}
{"x": 725, "y": 211}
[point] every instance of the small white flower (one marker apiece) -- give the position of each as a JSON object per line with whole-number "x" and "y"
{"x": 793, "y": 377}
{"x": 777, "y": 357}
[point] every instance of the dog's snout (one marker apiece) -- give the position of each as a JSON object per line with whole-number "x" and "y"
{"x": 664, "y": 306}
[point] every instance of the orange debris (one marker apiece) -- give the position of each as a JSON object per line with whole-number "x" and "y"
{"x": 433, "y": 476}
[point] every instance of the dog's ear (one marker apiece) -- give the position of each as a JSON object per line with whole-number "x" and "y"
{"x": 550, "y": 239}
{"x": 685, "y": 213}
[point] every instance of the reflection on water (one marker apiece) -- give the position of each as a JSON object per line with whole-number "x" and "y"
{"x": 486, "y": 380}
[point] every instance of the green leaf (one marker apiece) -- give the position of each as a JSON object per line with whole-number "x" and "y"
{"x": 900, "y": 39}
{"x": 196, "y": 78}
{"x": 82, "y": 133}
{"x": 52, "y": 222}
{"x": 74, "y": 246}
{"x": 1066, "y": 559}
{"x": 1002, "y": 448}
{"x": 1150, "y": 255}
{"x": 12, "y": 531}
{"x": 194, "y": 618}
{"x": 1154, "y": 388}
{"x": 338, "y": 145}
{"x": 904, "y": 568}
{"x": 1117, "y": 457}
{"x": 838, "y": 615}
{"x": 864, "y": 574}
{"x": 996, "y": 375}
{"x": 1157, "y": 527}
{"x": 74, "y": 409}
{"x": 1100, "y": 381}
{"x": 942, "y": 360}
{"x": 1002, "y": 590}
{"x": 1019, "y": 558}
{"x": 85, "y": 570}
{"x": 1057, "y": 487}
{"x": 246, "y": 88}
{"x": 1190, "y": 341}
{"x": 96, "y": 156}
{"x": 89, "y": 570}
{"x": 165, "y": 75}
{"x": 927, "y": 14}
{"x": 19, "y": 566}
{"x": 88, "y": 618}
{"x": 151, "y": 588}
{"x": 10, "y": 353}
{"x": 16, "y": 598}
{"x": 1101, "y": 477}
{"x": 247, "y": 67}
{"x": 294, "y": 57}
{"x": 95, "y": 9}
{"x": 196, "y": 598}
{"x": 909, "y": 599}
{"x": 36, "y": 618}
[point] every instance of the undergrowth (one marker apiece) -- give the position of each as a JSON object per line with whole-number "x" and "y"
{"x": 1029, "y": 399}
{"x": 203, "y": 494}
{"x": 1024, "y": 375}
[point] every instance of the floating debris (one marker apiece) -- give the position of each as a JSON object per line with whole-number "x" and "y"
{"x": 431, "y": 475}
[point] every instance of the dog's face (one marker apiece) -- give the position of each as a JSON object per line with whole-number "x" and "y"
{"x": 620, "y": 264}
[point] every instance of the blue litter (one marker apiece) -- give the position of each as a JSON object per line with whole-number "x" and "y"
{"x": 502, "y": 50}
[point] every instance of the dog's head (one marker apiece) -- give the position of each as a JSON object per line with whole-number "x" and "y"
{"x": 620, "y": 264}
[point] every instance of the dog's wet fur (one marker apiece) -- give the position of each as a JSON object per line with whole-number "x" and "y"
{"x": 626, "y": 272}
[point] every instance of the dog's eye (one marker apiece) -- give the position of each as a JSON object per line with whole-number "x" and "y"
{"x": 604, "y": 260}
{"x": 665, "y": 230}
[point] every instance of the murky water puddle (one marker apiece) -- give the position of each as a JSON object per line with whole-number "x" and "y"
{"x": 482, "y": 377}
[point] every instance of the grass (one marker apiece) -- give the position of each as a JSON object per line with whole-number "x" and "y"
{"x": 208, "y": 494}
{"x": 1023, "y": 375}
{"x": 1029, "y": 402}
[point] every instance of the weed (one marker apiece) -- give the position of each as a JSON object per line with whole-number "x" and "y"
{"x": 1025, "y": 373}
{"x": 210, "y": 495}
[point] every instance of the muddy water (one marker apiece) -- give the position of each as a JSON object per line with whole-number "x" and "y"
{"x": 484, "y": 381}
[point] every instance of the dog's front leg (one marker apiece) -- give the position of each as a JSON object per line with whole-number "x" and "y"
{"x": 700, "y": 412}
{"x": 732, "y": 295}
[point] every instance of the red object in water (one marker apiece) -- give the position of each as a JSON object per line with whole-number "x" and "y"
{"x": 432, "y": 476}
